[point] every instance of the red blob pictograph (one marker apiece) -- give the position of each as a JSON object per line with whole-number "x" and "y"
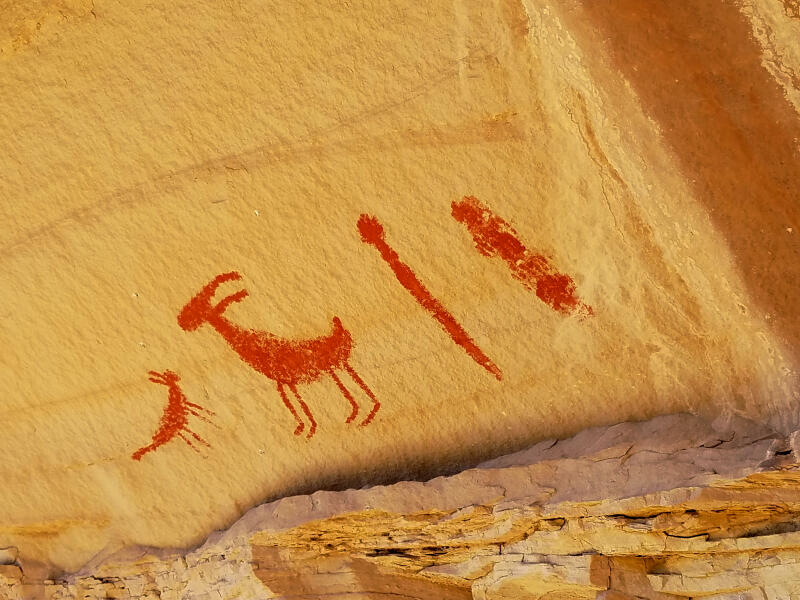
{"x": 372, "y": 233}
{"x": 495, "y": 237}
{"x": 175, "y": 420}
{"x": 287, "y": 362}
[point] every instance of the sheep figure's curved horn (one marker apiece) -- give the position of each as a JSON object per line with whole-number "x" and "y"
{"x": 199, "y": 307}
{"x": 228, "y": 300}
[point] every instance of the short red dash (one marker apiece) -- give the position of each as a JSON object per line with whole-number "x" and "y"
{"x": 372, "y": 233}
{"x": 495, "y": 237}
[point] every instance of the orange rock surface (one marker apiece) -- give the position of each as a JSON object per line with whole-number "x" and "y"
{"x": 641, "y": 156}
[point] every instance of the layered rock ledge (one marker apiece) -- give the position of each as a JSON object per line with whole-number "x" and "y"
{"x": 675, "y": 507}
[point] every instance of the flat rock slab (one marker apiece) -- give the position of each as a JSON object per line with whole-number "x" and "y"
{"x": 711, "y": 511}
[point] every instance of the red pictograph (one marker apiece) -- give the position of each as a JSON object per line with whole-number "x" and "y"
{"x": 495, "y": 237}
{"x": 372, "y": 233}
{"x": 290, "y": 363}
{"x": 287, "y": 362}
{"x": 175, "y": 420}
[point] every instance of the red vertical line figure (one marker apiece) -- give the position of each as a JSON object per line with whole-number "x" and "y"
{"x": 175, "y": 420}
{"x": 286, "y": 362}
{"x": 495, "y": 237}
{"x": 372, "y": 233}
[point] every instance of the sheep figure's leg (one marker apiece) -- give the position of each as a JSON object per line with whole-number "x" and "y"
{"x": 305, "y": 410}
{"x": 300, "y": 425}
{"x": 375, "y": 404}
{"x": 346, "y": 393}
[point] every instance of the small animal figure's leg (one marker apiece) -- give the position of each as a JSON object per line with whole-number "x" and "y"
{"x": 198, "y": 438}
{"x": 346, "y": 393}
{"x": 375, "y": 404}
{"x": 200, "y": 412}
{"x": 305, "y": 410}
{"x": 300, "y": 425}
{"x": 189, "y": 442}
{"x": 201, "y": 408}
{"x": 204, "y": 418}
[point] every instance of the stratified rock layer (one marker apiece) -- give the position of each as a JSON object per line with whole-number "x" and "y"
{"x": 669, "y": 508}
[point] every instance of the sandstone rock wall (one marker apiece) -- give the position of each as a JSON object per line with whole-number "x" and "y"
{"x": 502, "y": 221}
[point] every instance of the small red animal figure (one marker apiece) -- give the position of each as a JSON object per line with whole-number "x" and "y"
{"x": 175, "y": 420}
{"x": 288, "y": 363}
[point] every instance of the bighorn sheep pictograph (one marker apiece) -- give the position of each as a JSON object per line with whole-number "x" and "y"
{"x": 287, "y": 362}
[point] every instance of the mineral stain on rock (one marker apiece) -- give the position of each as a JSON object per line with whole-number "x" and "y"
{"x": 698, "y": 73}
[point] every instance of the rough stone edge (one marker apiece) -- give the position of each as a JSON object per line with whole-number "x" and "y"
{"x": 702, "y": 453}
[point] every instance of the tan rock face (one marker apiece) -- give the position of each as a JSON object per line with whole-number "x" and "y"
{"x": 462, "y": 228}
{"x": 671, "y": 508}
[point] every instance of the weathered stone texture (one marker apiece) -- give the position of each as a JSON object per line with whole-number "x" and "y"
{"x": 636, "y": 159}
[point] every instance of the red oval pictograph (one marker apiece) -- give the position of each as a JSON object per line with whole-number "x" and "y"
{"x": 287, "y": 362}
{"x": 175, "y": 420}
{"x": 372, "y": 233}
{"x": 495, "y": 237}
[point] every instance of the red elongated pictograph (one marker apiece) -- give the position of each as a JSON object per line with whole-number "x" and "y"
{"x": 495, "y": 237}
{"x": 372, "y": 233}
{"x": 175, "y": 420}
{"x": 288, "y": 363}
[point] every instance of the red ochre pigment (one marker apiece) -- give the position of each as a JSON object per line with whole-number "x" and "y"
{"x": 372, "y": 233}
{"x": 495, "y": 237}
{"x": 286, "y": 362}
{"x": 175, "y": 420}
